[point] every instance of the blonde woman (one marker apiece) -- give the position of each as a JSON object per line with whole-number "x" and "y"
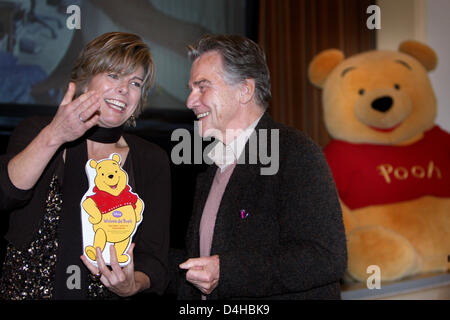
{"x": 43, "y": 180}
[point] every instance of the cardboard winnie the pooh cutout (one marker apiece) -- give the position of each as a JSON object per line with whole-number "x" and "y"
{"x": 110, "y": 212}
{"x": 390, "y": 162}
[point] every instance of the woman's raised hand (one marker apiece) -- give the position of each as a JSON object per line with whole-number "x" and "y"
{"x": 75, "y": 117}
{"x": 72, "y": 120}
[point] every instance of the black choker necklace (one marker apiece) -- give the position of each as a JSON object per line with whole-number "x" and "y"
{"x": 104, "y": 135}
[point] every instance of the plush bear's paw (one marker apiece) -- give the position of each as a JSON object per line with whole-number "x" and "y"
{"x": 90, "y": 252}
{"x": 375, "y": 245}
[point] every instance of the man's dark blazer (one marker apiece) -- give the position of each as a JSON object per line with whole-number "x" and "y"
{"x": 291, "y": 245}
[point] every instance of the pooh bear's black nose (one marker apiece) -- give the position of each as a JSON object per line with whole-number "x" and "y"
{"x": 382, "y": 104}
{"x": 111, "y": 176}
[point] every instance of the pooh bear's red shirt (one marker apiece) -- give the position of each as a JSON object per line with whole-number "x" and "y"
{"x": 106, "y": 202}
{"x": 367, "y": 174}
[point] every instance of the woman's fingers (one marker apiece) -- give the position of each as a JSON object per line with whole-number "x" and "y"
{"x": 101, "y": 263}
{"x": 70, "y": 93}
{"x": 92, "y": 121}
{"x": 113, "y": 259}
{"x": 93, "y": 269}
{"x": 68, "y": 101}
{"x": 86, "y": 99}
{"x": 119, "y": 280}
{"x": 103, "y": 268}
{"x": 75, "y": 117}
{"x": 85, "y": 108}
{"x": 88, "y": 110}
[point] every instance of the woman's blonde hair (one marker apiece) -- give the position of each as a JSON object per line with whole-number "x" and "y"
{"x": 117, "y": 52}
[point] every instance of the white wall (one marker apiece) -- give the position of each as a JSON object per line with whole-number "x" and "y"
{"x": 438, "y": 37}
{"x": 427, "y": 21}
{"x": 401, "y": 20}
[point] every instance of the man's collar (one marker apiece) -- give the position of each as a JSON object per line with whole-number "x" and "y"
{"x": 224, "y": 155}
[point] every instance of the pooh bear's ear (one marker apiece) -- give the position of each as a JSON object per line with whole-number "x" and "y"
{"x": 93, "y": 164}
{"x": 116, "y": 158}
{"x": 426, "y": 55}
{"x": 322, "y": 65}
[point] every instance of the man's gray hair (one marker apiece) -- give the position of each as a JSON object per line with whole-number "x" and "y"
{"x": 242, "y": 59}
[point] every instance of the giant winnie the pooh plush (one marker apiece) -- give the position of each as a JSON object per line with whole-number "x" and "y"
{"x": 390, "y": 162}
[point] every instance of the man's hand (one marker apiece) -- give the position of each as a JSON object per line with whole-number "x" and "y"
{"x": 203, "y": 272}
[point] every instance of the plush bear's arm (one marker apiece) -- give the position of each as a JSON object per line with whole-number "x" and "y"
{"x": 413, "y": 237}
{"x": 91, "y": 208}
{"x": 350, "y": 221}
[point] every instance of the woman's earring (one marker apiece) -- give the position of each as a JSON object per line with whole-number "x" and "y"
{"x": 132, "y": 121}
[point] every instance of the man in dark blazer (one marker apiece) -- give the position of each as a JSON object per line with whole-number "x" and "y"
{"x": 266, "y": 221}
